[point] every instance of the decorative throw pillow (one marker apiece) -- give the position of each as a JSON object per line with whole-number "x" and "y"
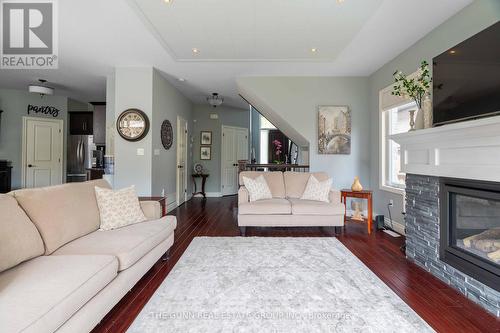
{"x": 257, "y": 188}
{"x": 316, "y": 190}
{"x": 118, "y": 208}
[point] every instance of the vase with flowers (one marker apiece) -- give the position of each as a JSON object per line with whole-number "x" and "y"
{"x": 277, "y": 151}
{"x": 416, "y": 88}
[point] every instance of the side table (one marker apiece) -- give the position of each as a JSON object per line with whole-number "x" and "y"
{"x": 365, "y": 194}
{"x": 203, "y": 177}
{"x": 161, "y": 200}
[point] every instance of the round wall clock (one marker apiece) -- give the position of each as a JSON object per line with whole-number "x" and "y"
{"x": 167, "y": 135}
{"x": 132, "y": 125}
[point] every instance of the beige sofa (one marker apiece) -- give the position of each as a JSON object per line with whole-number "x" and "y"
{"x": 286, "y": 209}
{"x": 58, "y": 272}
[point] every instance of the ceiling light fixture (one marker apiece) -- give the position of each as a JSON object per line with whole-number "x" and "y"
{"x": 41, "y": 88}
{"x": 181, "y": 79}
{"x": 195, "y": 50}
{"x": 453, "y": 52}
{"x": 215, "y": 100}
{"x": 340, "y": 1}
{"x": 313, "y": 50}
{"x": 168, "y": 1}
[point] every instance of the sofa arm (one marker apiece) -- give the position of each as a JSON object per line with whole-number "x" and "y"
{"x": 243, "y": 195}
{"x": 335, "y": 196}
{"x": 151, "y": 209}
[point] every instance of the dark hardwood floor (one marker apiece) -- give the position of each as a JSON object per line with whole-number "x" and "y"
{"x": 442, "y": 307}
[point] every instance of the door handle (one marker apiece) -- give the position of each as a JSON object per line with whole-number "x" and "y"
{"x": 31, "y": 166}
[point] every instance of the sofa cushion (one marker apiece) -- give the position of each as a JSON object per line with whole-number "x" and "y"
{"x": 257, "y": 188}
{"x": 274, "y": 181}
{"x": 19, "y": 238}
{"x": 118, "y": 208}
{"x": 316, "y": 190}
{"x": 128, "y": 244}
{"x": 310, "y": 207}
{"x": 265, "y": 207}
{"x": 41, "y": 294}
{"x": 63, "y": 212}
{"x": 295, "y": 182}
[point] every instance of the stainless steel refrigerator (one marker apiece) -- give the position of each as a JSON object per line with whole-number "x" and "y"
{"x": 79, "y": 157}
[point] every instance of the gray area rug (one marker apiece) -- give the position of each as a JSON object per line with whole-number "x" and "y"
{"x": 274, "y": 285}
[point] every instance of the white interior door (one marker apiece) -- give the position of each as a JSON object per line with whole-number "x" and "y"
{"x": 234, "y": 148}
{"x": 42, "y": 152}
{"x": 182, "y": 134}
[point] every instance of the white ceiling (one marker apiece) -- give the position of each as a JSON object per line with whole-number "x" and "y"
{"x": 257, "y": 30}
{"x": 236, "y": 38}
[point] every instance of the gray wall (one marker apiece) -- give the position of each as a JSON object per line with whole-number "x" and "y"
{"x": 134, "y": 89}
{"x": 14, "y": 103}
{"x": 202, "y": 122}
{"x": 146, "y": 89}
{"x": 474, "y": 18}
{"x": 168, "y": 103}
{"x": 296, "y": 99}
{"x": 110, "y": 115}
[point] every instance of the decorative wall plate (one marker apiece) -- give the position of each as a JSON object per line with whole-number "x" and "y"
{"x": 132, "y": 125}
{"x": 198, "y": 168}
{"x": 167, "y": 135}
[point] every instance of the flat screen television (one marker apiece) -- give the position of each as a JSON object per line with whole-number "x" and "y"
{"x": 466, "y": 79}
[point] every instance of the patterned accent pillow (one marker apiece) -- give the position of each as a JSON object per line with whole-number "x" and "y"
{"x": 257, "y": 188}
{"x": 316, "y": 190}
{"x": 118, "y": 208}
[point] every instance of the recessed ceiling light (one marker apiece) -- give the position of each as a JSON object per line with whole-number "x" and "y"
{"x": 181, "y": 79}
{"x": 340, "y": 1}
{"x": 168, "y": 1}
{"x": 453, "y": 52}
{"x": 195, "y": 50}
{"x": 313, "y": 50}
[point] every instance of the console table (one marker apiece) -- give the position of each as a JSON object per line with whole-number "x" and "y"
{"x": 203, "y": 181}
{"x": 365, "y": 194}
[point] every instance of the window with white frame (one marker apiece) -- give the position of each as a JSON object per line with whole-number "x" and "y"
{"x": 395, "y": 120}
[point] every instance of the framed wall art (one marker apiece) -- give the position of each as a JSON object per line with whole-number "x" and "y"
{"x": 206, "y": 138}
{"x": 205, "y": 153}
{"x": 334, "y": 130}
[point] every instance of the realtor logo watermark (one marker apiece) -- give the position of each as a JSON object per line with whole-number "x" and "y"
{"x": 29, "y": 34}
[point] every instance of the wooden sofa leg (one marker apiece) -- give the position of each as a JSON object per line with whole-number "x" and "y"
{"x": 166, "y": 256}
{"x": 243, "y": 231}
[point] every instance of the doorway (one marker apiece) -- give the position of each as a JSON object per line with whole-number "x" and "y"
{"x": 234, "y": 147}
{"x": 42, "y": 152}
{"x": 182, "y": 138}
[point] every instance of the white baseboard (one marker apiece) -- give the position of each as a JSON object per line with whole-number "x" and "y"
{"x": 396, "y": 226}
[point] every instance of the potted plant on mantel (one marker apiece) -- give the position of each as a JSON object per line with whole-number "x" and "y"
{"x": 416, "y": 88}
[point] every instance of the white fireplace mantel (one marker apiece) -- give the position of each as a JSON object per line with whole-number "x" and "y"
{"x": 469, "y": 150}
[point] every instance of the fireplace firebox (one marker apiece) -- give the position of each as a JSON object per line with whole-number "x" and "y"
{"x": 470, "y": 228}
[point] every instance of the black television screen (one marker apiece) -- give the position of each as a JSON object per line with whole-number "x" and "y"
{"x": 466, "y": 79}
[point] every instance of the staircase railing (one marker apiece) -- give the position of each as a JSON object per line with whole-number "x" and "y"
{"x": 244, "y": 165}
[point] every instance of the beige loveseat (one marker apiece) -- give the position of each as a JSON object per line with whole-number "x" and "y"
{"x": 286, "y": 209}
{"x": 58, "y": 272}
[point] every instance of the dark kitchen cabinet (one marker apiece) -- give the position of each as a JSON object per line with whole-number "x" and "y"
{"x": 81, "y": 123}
{"x": 99, "y": 123}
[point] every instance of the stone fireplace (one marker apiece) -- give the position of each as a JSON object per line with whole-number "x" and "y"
{"x": 453, "y": 205}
